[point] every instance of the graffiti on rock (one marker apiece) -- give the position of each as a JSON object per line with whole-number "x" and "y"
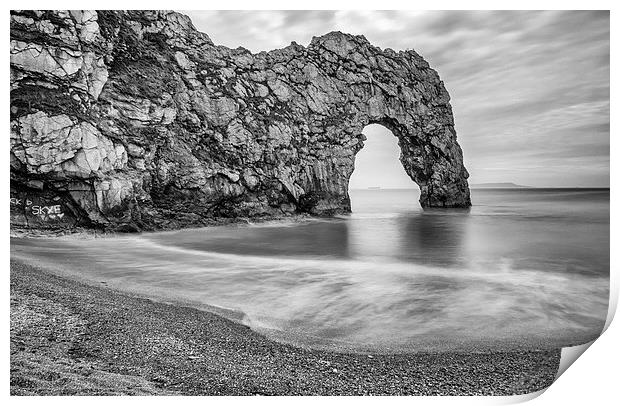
{"x": 19, "y": 202}
{"x": 48, "y": 212}
{"x": 44, "y": 212}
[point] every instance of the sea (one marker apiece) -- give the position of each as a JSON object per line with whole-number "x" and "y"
{"x": 520, "y": 269}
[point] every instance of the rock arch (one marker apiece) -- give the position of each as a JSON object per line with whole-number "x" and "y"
{"x": 135, "y": 119}
{"x": 377, "y": 164}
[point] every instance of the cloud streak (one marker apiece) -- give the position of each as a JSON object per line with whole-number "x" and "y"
{"x": 530, "y": 89}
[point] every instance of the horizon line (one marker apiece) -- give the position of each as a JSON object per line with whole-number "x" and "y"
{"x": 474, "y": 187}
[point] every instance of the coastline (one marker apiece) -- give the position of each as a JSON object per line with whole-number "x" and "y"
{"x": 68, "y": 337}
{"x": 85, "y": 232}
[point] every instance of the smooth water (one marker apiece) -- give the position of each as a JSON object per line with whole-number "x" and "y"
{"x": 522, "y": 268}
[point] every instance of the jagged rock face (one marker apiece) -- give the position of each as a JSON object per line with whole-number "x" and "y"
{"x": 136, "y": 119}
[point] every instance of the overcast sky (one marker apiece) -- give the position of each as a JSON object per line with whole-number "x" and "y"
{"x": 530, "y": 90}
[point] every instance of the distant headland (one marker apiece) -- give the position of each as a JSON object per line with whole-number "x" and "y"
{"x": 499, "y": 185}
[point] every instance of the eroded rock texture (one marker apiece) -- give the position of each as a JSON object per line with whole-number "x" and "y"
{"x": 137, "y": 120}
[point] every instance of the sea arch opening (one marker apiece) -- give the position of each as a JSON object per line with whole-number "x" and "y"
{"x": 379, "y": 180}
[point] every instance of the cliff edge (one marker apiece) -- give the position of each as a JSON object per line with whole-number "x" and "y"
{"x": 135, "y": 120}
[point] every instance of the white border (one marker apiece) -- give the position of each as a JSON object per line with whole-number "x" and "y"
{"x": 594, "y": 378}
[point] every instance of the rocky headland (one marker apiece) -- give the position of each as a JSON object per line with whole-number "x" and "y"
{"x": 136, "y": 121}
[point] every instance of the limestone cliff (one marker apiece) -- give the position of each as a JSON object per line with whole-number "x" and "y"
{"x": 136, "y": 120}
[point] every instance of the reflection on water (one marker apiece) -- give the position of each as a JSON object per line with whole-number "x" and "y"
{"x": 521, "y": 268}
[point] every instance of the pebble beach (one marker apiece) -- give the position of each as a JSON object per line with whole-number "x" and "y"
{"x": 68, "y": 337}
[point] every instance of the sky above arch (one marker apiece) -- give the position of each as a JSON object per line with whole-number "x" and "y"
{"x": 530, "y": 89}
